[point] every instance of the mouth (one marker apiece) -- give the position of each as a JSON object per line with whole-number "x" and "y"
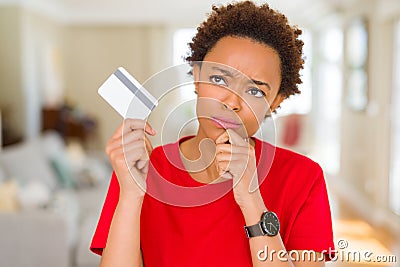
{"x": 226, "y": 123}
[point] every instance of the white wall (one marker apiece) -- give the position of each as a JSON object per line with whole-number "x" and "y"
{"x": 11, "y": 96}
{"x": 42, "y": 65}
{"x": 94, "y": 52}
{"x": 30, "y": 44}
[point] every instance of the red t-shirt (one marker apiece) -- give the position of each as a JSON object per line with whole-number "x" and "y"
{"x": 187, "y": 223}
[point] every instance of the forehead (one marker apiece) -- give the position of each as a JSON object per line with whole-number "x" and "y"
{"x": 255, "y": 60}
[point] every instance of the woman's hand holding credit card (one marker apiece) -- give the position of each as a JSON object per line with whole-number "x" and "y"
{"x": 129, "y": 148}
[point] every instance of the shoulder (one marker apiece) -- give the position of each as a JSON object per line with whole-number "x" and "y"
{"x": 291, "y": 180}
{"x": 287, "y": 165}
{"x": 163, "y": 151}
{"x": 286, "y": 158}
{"x": 166, "y": 157}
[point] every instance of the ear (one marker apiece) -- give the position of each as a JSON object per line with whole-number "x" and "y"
{"x": 276, "y": 102}
{"x": 196, "y": 76}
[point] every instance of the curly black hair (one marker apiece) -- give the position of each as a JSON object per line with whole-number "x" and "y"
{"x": 259, "y": 23}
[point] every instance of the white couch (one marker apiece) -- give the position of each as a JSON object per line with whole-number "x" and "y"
{"x": 57, "y": 201}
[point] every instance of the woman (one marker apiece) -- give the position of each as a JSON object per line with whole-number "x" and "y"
{"x": 221, "y": 197}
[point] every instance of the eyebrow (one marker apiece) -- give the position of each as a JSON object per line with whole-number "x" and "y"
{"x": 230, "y": 74}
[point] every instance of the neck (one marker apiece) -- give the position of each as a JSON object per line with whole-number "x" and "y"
{"x": 198, "y": 155}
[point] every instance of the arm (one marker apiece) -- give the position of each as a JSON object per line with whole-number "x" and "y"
{"x": 128, "y": 151}
{"x": 123, "y": 244}
{"x": 236, "y": 161}
{"x": 276, "y": 255}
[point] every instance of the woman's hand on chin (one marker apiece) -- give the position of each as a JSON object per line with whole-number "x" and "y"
{"x": 235, "y": 159}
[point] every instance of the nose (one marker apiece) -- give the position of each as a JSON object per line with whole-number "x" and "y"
{"x": 232, "y": 101}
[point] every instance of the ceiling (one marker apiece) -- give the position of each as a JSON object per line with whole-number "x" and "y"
{"x": 181, "y": 12}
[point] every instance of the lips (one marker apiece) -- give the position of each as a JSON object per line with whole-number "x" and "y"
{"x": 226, "y": 123}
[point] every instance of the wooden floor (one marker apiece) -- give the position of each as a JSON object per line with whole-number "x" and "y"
{"x": 359, "y": 244}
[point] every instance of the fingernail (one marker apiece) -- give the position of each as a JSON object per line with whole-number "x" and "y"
{"x": 140, "y": 164}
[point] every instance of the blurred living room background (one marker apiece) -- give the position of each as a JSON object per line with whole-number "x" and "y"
{"x": 54, "y": 54}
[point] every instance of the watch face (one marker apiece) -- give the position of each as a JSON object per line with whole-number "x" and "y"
{"x": 270, "y": 223}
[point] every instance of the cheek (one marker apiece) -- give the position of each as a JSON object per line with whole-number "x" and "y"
{"x": 256, "y": 109}
{"x": 209, "y": 97}
{"x": 254, "y": 115}
{"x": 206, "y": 104}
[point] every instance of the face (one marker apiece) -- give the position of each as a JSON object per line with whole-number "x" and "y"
{"x": 237, "y": 86}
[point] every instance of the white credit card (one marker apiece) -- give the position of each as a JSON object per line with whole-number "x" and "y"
{"x": 127, "y": 96}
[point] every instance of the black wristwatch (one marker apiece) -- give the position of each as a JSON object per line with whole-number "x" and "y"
{"x": 268, "y": 225}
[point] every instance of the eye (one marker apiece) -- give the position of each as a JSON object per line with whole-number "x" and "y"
{"x": 256, "y": 92}
{"x": 219, "y": 80}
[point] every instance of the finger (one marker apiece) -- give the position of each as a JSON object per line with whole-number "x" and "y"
{"x": 112, "y": 144}
{"x": 135, "y": 152}
{"x": 137, "y": 135}
{"x": 240, "y": 158}
{"x": 223, "y": 138}
{"x": 149, "y": 130}
{"x": 149, "y": 146}
{"x": 138, "y": 178}
{"x": 135, "y": 124}
{"x": 118, "y": 144}
{"x": 237, "y": 167}
{"x": 133, "y": 136}
{"x": 234, "y": 167}
{"x": 222, "y": 166}
{"x": 118, "y": 132}
{"x": 131, "y": 125}
{"x": 227, "y": 175}
{"x": 140, "y": 164}
{"x": 232, "y": 149}
{"x": 223, "y": 149}
{"x": 135, "y": 148}
{"x": 235, "y": 138}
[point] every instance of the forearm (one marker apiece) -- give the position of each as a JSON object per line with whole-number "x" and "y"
{"x": 123, "y": 243}
{"x": 269, "y": 251}
{"x": 265, "y": 250}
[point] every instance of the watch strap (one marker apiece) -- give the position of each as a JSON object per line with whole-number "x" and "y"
{"x": 254, "y": 230}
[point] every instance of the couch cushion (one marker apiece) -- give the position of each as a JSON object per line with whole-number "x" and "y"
{"x": 33, "y": 238}
{"x": 26, "y": 163}
{"x": 34, "y": 195}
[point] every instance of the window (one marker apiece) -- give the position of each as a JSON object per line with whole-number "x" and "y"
{"x": 301, "y": 103}
{"x": 328, "y": 100}
{"x": 181, "y": 39}
{"x": 356, "y": 64}
{"x": 395, "y": 153}
{"x": 180, "y": 45}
